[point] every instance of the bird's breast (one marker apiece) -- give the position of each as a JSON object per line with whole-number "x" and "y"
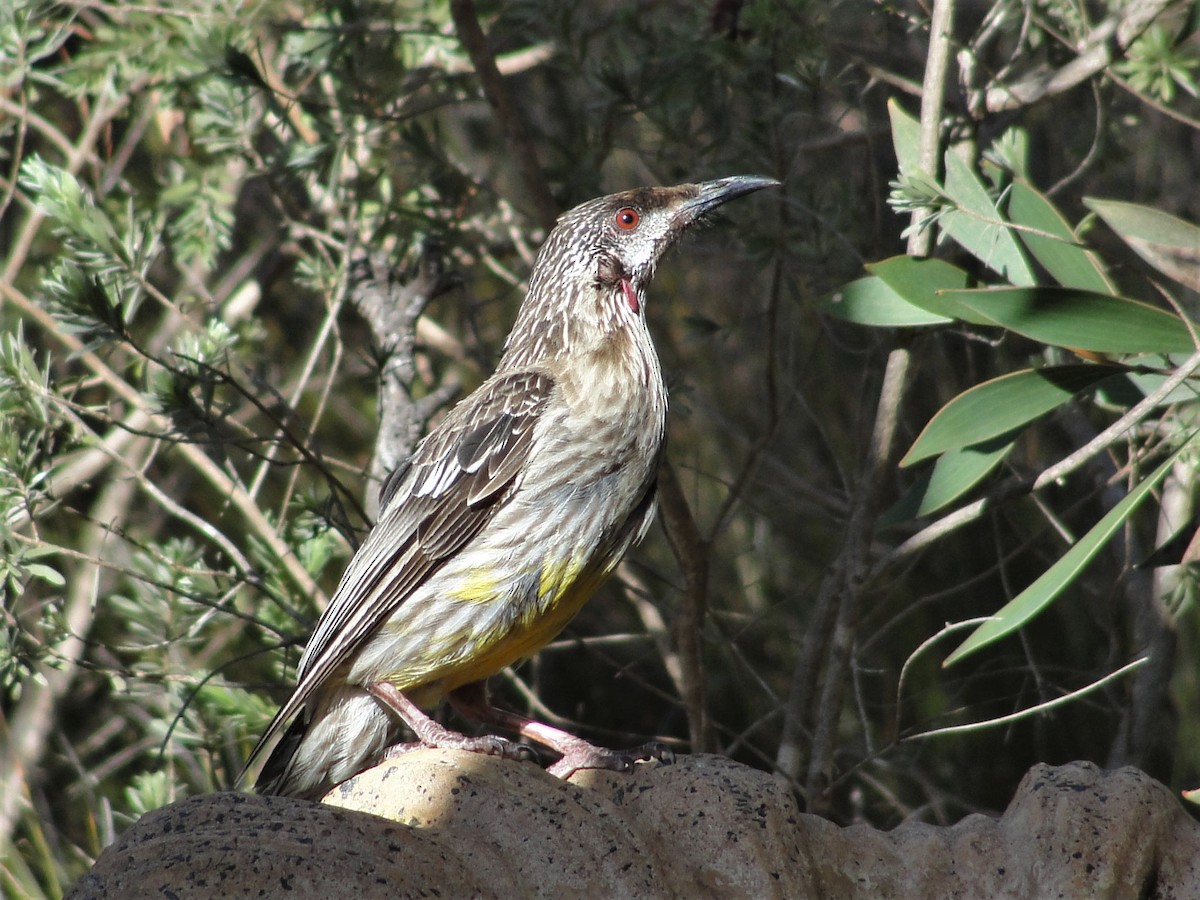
{"x": 615, "y": 407}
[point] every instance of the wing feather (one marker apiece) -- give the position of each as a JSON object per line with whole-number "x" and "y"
{"x": 459, "y": 476}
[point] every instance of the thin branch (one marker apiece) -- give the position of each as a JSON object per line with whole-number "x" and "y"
{"x": 208, "y": 468}
{"x": 638, "y": 593}
{"x": 1116, "y": 431}
{"x": 845, "y": 582}
{"x": 950, "y": 628}
{"x": 691, "y": 555}
{"x": 1093, "y": 55}
{"x": 524, "y": 152}
{"x": 1032, "y": 710}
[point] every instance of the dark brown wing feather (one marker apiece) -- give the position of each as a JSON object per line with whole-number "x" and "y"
{"x": 458, "y": 477}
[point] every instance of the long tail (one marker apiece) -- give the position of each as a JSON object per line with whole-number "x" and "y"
{"x": 322, "y": 747}
{"x": 276, "y": 776}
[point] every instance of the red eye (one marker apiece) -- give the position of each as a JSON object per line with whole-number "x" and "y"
{"x": 628, "y": 218}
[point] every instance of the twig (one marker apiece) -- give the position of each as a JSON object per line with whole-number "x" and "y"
{"x": 226, "y": 485}
{"x": 1095, "y": 53}
{"x": 638, "y": 594}
{"x": 466, "y": 22}
{"x": 843, "y": 586}
{"x": 691, "y": 554}
{"x": 1032, "y": 710}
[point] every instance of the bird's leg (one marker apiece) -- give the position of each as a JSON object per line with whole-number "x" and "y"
{"x": 433, "y": 734}
{"x": 471, "y": 701}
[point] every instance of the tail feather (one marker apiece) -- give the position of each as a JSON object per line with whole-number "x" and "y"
{"x": 274, "y": 776}
{"x": 324, "y": 745}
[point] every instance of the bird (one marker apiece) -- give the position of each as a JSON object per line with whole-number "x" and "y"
{"x": 506, "y": 518}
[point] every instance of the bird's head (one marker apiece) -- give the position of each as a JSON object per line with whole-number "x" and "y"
{"x": 590, "y": 277}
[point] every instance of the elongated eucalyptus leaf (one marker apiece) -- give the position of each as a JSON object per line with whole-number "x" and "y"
{"x": 1059, "y": 576}
{"x": 906, "y": 139}
{"x": 1084, "y": 320}
{"x": 924, "y": 283}
{"x": 1001, "y": 406}
{"x": 979, "y": 227}
{"x": 973, "y": 222}
{"x": 1051, "y": 240}
{"x": 1168, "y": 243}
{"x": 953, "y": 474}
{"x": 870, "y": 301}
{"x": 1133, "y": 387}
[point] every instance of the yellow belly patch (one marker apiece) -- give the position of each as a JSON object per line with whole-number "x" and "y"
{"x": 478, "y": 587}
{"x": 570, "y": 589}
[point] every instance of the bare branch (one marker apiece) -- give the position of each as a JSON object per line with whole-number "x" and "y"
{"x": 466, "y": 21}
{"x": 1094, "y": 54}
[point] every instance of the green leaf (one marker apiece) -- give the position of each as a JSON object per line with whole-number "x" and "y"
{"x": 1082, "y": 320}
{"x": 1168, "y": 243}
{"x": 924, "y": 282}
{"x": 978, "y": 225}
{"x": 1002, "y": 406}
{"x": 1053, "y": 243}
{"x": 1131, "y": 388}
{"x": 1054, "y": 580}
{"x": 906, "y": 138}
{"x": 954, "y": 473}
{"x": 1008, "y": 156}
{"x": 869, "y": 301}
{"x": 46, "y": 574}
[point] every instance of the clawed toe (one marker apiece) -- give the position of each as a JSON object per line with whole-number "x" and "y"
{"x": 587, "y": 756}
{"x": 656, "y": 750}
{"x": 493, "y": 745}
{"x": 396, "y": 750}
{"x": 524, "y": 753}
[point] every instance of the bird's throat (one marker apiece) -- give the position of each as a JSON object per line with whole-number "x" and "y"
{"x": 631, "y": 297}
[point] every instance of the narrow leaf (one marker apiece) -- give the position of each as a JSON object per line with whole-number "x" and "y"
{"x": 1054, "y": 580}
{"x": 953, "y": 474}
{"x": 1083, "y": 320}
{"x": 906, "y": 138}
{"x": 1050, "y": 239}
{"x": 869, "y": 301}
{"x": 1168, "y": 243}
{"x": 1131, "y": 388}
{"x": 1001, "y": 406}
{"x": 924, "y": 283}
{"x": 979, "y": 226}
{"x": 45, "y": 573}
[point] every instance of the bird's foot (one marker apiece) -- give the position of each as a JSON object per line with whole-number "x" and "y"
{"x": 431, "y": 733}
{"x": 400, "y": 749}
{"x": 471, "y": 701}
{"x": 582, "y": 755}
{"x": 487, "y": 744}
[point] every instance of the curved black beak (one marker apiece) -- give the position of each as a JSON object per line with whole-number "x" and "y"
{"x": 711, "y": 194}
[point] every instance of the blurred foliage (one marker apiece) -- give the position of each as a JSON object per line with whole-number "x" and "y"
{"x": 188, "y": 394}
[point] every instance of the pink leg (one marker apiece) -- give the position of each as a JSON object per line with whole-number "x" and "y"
{"x": 471, "y": 702}
{"x": 434, "y": 734}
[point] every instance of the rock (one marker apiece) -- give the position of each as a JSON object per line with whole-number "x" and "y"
{"x": 446, "y": 824}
